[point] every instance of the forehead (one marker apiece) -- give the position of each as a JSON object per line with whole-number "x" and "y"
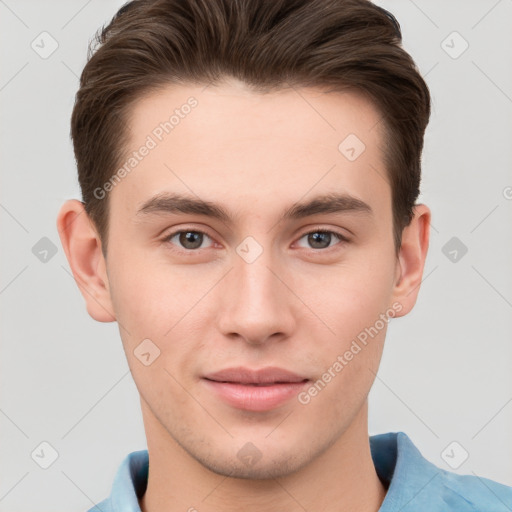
{"x": 224, "y": 140}
{"x": 240, "y": 112}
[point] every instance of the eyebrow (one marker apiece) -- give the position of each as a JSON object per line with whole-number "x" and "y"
{"x": 171, "y": 203}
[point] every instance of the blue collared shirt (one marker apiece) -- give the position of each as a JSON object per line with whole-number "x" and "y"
{"x": 413, "y": 483}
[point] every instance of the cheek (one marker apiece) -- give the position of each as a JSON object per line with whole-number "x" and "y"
{"x": 155, "y": 299}
{"x": 151, "y": 310}
{"x": 351, "y": 296}
{"x": 145, "y": 299}
{"x": 337, "y": 396}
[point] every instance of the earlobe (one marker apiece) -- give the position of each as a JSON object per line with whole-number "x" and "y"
{"x": 82, "y": 247}
{"x": 411, "y": 259}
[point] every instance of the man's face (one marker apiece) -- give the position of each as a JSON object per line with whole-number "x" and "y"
{"x": 255, "y": 290}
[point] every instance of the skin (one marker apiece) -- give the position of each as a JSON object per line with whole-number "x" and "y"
{"x": 297, "y": 306}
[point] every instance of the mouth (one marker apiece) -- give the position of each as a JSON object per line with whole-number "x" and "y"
{"x": 256, "y": 384}
{"x": 255, "y": 390}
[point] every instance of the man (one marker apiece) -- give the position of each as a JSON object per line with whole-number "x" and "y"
{"x": 249, "y": 173}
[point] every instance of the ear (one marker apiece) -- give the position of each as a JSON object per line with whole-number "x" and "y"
{"x": 411, "y": 259}
{"x": 82, "y": 246}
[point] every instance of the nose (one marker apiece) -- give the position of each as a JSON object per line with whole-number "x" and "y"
{"x": 256, "y": 303}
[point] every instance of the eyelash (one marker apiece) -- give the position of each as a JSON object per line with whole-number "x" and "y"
{"x": 342, "y": 239}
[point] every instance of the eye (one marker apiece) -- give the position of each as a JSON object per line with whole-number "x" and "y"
{"x": 321, "y": 239}
{"x": 188, "y": 239}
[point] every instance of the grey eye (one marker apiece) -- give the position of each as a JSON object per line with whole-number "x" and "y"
{"x": 321, "y": 239}
{"x": 187, "y": 239}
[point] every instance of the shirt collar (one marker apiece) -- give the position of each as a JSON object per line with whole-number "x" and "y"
{"x": 401, "y": 468}
{"x": 130, "y": 482}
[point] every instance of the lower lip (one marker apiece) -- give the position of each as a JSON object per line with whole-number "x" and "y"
{"x": 255, "y": 398}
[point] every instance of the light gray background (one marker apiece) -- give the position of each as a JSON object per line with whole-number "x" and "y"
{"x": 445, "y": 374}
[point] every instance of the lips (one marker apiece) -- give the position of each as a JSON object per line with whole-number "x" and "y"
{"x": 261, "y": 377}
{"x": 255, "y": 390}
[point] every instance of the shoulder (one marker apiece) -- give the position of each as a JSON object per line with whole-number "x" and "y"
{"x": 448, "y": 491}
{"x": 416, "y": 484}
{"x": 479, "y": 493}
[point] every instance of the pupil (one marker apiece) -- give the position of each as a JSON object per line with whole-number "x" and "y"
{"x": 316, "y": 238}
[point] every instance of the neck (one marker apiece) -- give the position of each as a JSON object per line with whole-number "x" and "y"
{"x": 342, "y": 478}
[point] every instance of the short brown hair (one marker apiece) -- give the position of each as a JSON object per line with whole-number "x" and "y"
{"x": 267, "y": 44}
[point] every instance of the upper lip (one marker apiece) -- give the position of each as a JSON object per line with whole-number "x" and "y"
{"x": 258, "y": 376}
